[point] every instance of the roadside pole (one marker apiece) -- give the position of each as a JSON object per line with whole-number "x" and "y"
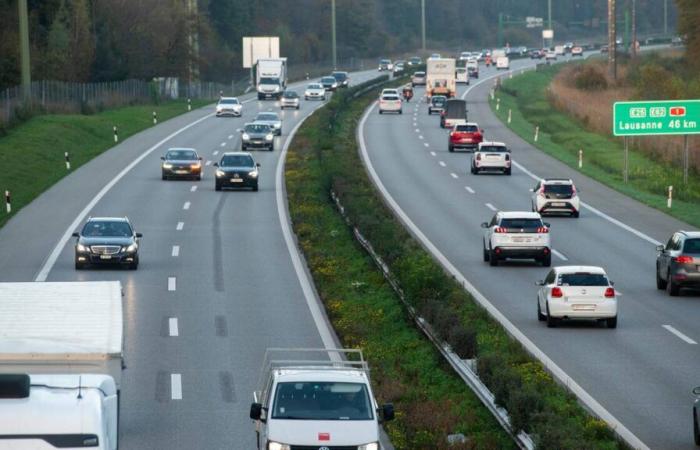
{"x": 686, "y": 158}
{"x": 625, "y": 170}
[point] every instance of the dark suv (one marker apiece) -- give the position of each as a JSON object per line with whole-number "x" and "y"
{"x": 107, "y": 240}
{"x": 678, "y": 262}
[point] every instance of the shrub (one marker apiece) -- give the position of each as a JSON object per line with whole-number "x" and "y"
{"x": 590, "y": 78}
{"x": 463, "y": 341}
{"x": 523, "y": 404}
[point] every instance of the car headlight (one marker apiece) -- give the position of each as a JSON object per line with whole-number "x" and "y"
{"x": 370, "y": 446}
{"x": 196, "y": 165}
{"x": 132, "y": 248}
{"x": 277, "y": 446}
{"x": 245, "y": 136}
{"x": 82, "y": 248}
{"x": 269, "y": 137}
{"x": 253, "y": 174}
{"x": 277, "y": 125}
{"x": 219, "y": 108}
{"x": 220, "y": 173}
{"x": 167, "y": 166}
{"x": 277, "y": 88}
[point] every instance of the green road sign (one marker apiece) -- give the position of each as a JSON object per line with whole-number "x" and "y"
{"x": 656, "y": 118}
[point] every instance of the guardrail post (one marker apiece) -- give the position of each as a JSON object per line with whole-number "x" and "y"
{"x": 580, "y": 158}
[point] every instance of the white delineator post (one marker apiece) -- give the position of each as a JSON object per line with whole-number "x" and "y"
{"x": 510, "y": 115}
{"x": 8, "y": 202}
{"x": 155, "y": 118}
{"x": 670, "y": 197}
{"x": 498, "y": 104}
{"x": 67, "y": 156}
{"x": 537, "y": 132}
{"x": 189, "y": 104}
{"x": 116, "y": 135}
{"x": 580, "y": 158}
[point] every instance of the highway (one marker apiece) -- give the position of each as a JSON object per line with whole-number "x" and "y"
{"x": 642, "y": 372}
{"x": 216, "y": 286}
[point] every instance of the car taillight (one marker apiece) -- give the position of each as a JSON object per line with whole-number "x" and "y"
{"x": 683, "y": 259}
{"x": 573, "y": 191}
{"x": 478, "y": 156}
{"x": 452, "y": 133}
{"x": 541, "y": 191}
{"x": 557, "y": 293}
{"x": 507, "y": 157}
{"x": 543, "y": 230}
{"x": 609, "y": 292}
{"x": 501, "y": 230}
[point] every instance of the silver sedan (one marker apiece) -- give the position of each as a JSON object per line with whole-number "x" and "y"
{"x": 271, "y": 119}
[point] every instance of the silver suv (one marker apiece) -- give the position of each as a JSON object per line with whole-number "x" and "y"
{"x": 517, "y": 235}
{"x": 678, "y": 262}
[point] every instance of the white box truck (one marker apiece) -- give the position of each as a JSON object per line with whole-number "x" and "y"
{"x": 440, "y": 77}
{"x": 501, "y": 59}
{"x": 61, "y": 361}
{"x": 271, "y": 77}
{"x": 316, "y": 398}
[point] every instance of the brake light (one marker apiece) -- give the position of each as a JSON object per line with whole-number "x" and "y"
{"x": 507, "y": 157}
{"x": 501, "y": 230}
{"x": 478, "y": 156}
{"x": 609, "y": 292}
{"x": 543, "y": 230}
{"x": 452, "y": 133}
{"x": 683, "y": 259}
{"x": 557, "y": 292}
{"x": 573, "y": 191}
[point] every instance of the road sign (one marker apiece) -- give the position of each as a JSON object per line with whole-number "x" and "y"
{"x": 656, "y": 118}
{"x": 534, "y": 22}
{"x": 547, "y": 34}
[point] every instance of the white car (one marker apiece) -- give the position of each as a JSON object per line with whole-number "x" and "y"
{"x": 315, "y": 91}
{"x": 556, "y": 195}
{"x": 502, "y": 63}
{"x": 271, "y": 119}
{"x": 289, "y": 99}
{"x": 491, "y": 156}
{"x": 390, "y": 91}
{"x": 577, "y": 51}
{"x": 462, "y": 75}
{"x": 577, "y": 292}
{"x": 418, "y": 79}
{"x": 229, "y": 106}
{"x": 550, "y": 56}
{"x": 464, "y": 56}
{"x": 517, "y": 235}
{"x": 390, "y": 103}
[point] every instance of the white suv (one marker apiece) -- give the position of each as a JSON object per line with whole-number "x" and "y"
{"x": 491, "y": 156}
{"x": 577, "y": 292}
{"x": 517, "y": 235}
{"x": 390, "y": 103}
{"x": 556, "y": 195}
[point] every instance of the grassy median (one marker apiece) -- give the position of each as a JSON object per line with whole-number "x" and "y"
{"x": 32, "y": 153}
{"x": 431, "y": 400}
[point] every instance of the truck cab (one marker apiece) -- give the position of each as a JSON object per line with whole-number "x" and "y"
{"x": 307, "y": 402}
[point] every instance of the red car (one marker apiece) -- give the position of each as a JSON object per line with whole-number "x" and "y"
{"x": 465, "y": 136}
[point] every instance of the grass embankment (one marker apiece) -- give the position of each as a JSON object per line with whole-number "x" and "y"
{"x": 32, "y": 153}
{"x": 430, "y": 399}
{"x": 563, "y": 136}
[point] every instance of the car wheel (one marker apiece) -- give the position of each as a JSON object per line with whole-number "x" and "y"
{"x": 380, "y": 111}
{"x": 400, "y": 111}
{"x": 696, "y": 428}
{"x": 199, "y": 177}
{"x": 547, "y": 260}
{"x": 486, "y": 254}
{"x": 552, "y": 322}
{"x": 243, "y": 148}
{"x": 576, "y": 214}
{"x": 507, "y": 172}
{"x": 217, "y": 187}
{"x": 660, "y": 282}
{"x": 611, "y": 322}
{"x": 541, "y": 317}
{"x": 672, "y": 288}
{"x": 164, "y": 177}
{"x": 473, "y": 170}
{"x": 493, "y": 258}
{"x": 297, "y": 107}
{"x": 134, "y": 265}
{"x": 451, "y": 149}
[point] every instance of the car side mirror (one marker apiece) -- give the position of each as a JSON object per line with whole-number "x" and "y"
{"x": 660, "y": 248}
{"x": 484, "y": 225}
{"x": 257, "y": 165}
{"x": 139, "y": 235}
{"x": 76, "y": 234}
{"x": 387, "y": 412}
{"x": 539, "y": 283}
{"x": 163, "y": 158}
{"x": 612, "y": 283}
{"x": 256, "y": 411}
{"x": 200, "y": 158}
{"x": 216, "y": 164}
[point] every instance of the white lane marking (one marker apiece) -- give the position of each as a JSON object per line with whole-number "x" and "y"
{"x": 172, "y": 284}
{"x": 180, "y": 226}
{"x": 470, "y": 190}
{"x": 53, "y": 256}
{"x": 172, "y": 327}
{"x": 176, "y": 251}
{"x": 216, "y": 152}
{"x": 186, "y": 206}
{"x": 230, "y": 136}
{"x": 433, "y": 154}
{"x": 426, "y": 144}
{"x": 208, "y": 163}
{"x": 193, "y": 188}
{"x": 586, "y": 398}
{"x": 417, "y": 130}
{"x": 559, "y": 255}
{"x": 223, "y": 144}
{"x": 175, "y": 386}
{"x": 442, "y": 163}
{"x": 420, "y": 136}
{"x": 680, "y": 335}
{"x": 491, "y": 207}
{"x": 454, "y": 175}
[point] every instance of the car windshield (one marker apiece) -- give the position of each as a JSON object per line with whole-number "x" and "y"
{"x": 314, "y": 86}
{"x": 340, "y": 76}
{"x": 99, "y": 228}
{"x": 321, "y": 401}
{"x": 228, "y": 101}
{"x": 385, "y": 61}
{"x": 493, "y": 149}
{"x": 692, "y": 246}
{"x": 467, "y": 128}
{"x": 558, "y": 189}
{"x": 257, "y": 128}
{"x": 181, "y": 155}
{"x": 268, "y": 80}
{"x": 328, "y": 80}
{"x": 290, "y": 94}
{"x": 582, "y": 279}
{"x": 521, "y": 223}
{"x": 237, "y": 161}
{"x": 461, "y": 70}
{"x": 267, "y": 116}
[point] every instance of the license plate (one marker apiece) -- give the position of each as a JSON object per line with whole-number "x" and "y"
{"x": 583, "y": 307}
{"x": 520, "y": 239}
{"x": 105, "y": 256}
{"x": 180, "y": 172}
{"x": 558, "y": 204}
{"x": 236, "y": 180}
{"x": 492, "y": 157}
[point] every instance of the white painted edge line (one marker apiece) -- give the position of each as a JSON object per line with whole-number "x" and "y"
{"x": 176, "y": 251}
{"x": 176, "y": 386}
{"x": 180, "y": 226}
{"x": 172, "y": 284}
{"x": 530, "y": 346}
{"x": 216, "y": 152}
{"x": 53, "y": 256}
{"x": 193, "y": 188}
{"x": 470, "y": 190}
{"x": 186, "y": 206}
{"x": 442, "y": 163}
{"x": 491, "y": 207}
{"x": 208, "y": 163}
{"x": 680, "y": 335}
{"x": 559, "y": 255}
{"x": 454, "y": 175}
{"x": 173, "y": 329}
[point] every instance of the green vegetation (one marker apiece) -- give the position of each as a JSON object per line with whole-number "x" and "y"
{"x": 563, "y": 136}
{"x": 366, "y": 313}
{"x": 32, "y": 153}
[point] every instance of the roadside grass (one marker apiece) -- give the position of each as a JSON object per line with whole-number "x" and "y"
{"x": 562, "y": 136}
{"x": 32, "y": 153}
{"x": 430, "y": 399}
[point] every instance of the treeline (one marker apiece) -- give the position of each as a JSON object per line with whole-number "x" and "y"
{"x": 94, "y": 40}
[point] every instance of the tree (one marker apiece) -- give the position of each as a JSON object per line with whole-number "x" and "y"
{"x": 689, "y": 26}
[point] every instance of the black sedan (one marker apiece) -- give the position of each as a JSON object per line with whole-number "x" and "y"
{"x": 257, "y": 135}
{"x": 237, "y": 170}
{"x": 107, "y": 240}
{"x": 181, "y": 163}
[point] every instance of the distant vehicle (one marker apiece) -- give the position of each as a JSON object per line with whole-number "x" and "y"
{"x": 536, "y": 54}
{"x": 385, "y": 64}
{"x": 271, "y": 77}
{"x": 315, "y": 91}
{"x": 237, "y": 170}
{"x": 467, "y": 135}
{"x": 556, "y": 195}
{"x": 473, "y": 69}
{"x": 390, "y": 91}
{"x": 329, "y": 83}
{"x": 677, "y": 41}
{"x": 604, "y": 49}
{"x": 271, "y": 119}
{"x": 568, "y": 47}
{"x": 577, "y": 51}
{"x": 502, "y": 63}
{"x": 415, "y": 61}
{"x": 550, "y": 56}
{"x": 290, "y": 99}
{"x": 229, "y": 106}
{"x": 107, "y": 240}
{"x": 418, "y": 79}
{"x": 398, "y": 67}
{"x": 516, "y": 235}
{"x": 257, "y": 135}
{"x": 342, "y": 78}
{"x": 491, "y": 156}
{"x": 181, "y": 163}
{"x": 462, "y": 75}
{"x": 390, "y": 103}
{"x": 678, "y": 263}
{"x": 577, "y": 292}
{"x": 696, "y": 416}
{"x": 560, "y": 50}
{"x": 437, "y": 104}
{"x": 465, "y": 56}
{"x": 440, "y": 79}
{"x": 435, "y": 56}
{"x": 454, "y": 113}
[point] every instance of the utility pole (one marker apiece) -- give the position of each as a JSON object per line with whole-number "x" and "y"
{"x": 665, "y": 17}
{"x": 549, "y": 14}
{"x": 633, "y": 50}
{"x": 24, "y": 50}
{"x": 194, "y": 44}
{"x": 335, "y": 55}
{"x": 612, "y": 37}
{"x": 422, "y": 21}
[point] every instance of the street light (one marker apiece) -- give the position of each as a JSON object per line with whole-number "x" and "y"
{"x": 612, "y": 40}
{"x": 422, "y": 5}
{"x": 335, "y": 56}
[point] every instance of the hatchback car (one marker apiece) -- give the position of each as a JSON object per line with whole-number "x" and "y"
{"x": 271, "y": 119}
{"x": 290, "y": 99}
{"x": 229, "y": 106}
{"x": 678, "y": 263}
{"x": 329, "y": 83}
{"x": 385, "y": 64}
{"x": 237, "y": 170}
{"x": 107, "y": 240}
{"x": 577, "y": 51}
{"x": 315, "y": 91}
{"x": 556, "y": 196}
{"x": 342, "y": 78}
{"x": 468, "y": 135}
{"x": 181, "y": 163}
{"x": 516, "y": 235}
{"x": 491, "y": 156}
{"x": 437, "y": 104}
{"x": 257, "y": 135}
{"x": 390, "y": 103}
{"x": 577, "y": 292}
{"x": 418, "y": 79}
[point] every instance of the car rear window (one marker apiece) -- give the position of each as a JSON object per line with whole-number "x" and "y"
{"x": 582, "y": 279}
{"x": 257, "y": 128}
{"x": 558, "y": 188}
{"x": 390, "y": 97}
{"x": 419, "y": 74}
{"x": 521, "y": 223}
{"x": 467, "y": 128}
{"x": 691, "y": 246}
{"x": 493, "y": 149}
{"x": 340, "y": 76}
